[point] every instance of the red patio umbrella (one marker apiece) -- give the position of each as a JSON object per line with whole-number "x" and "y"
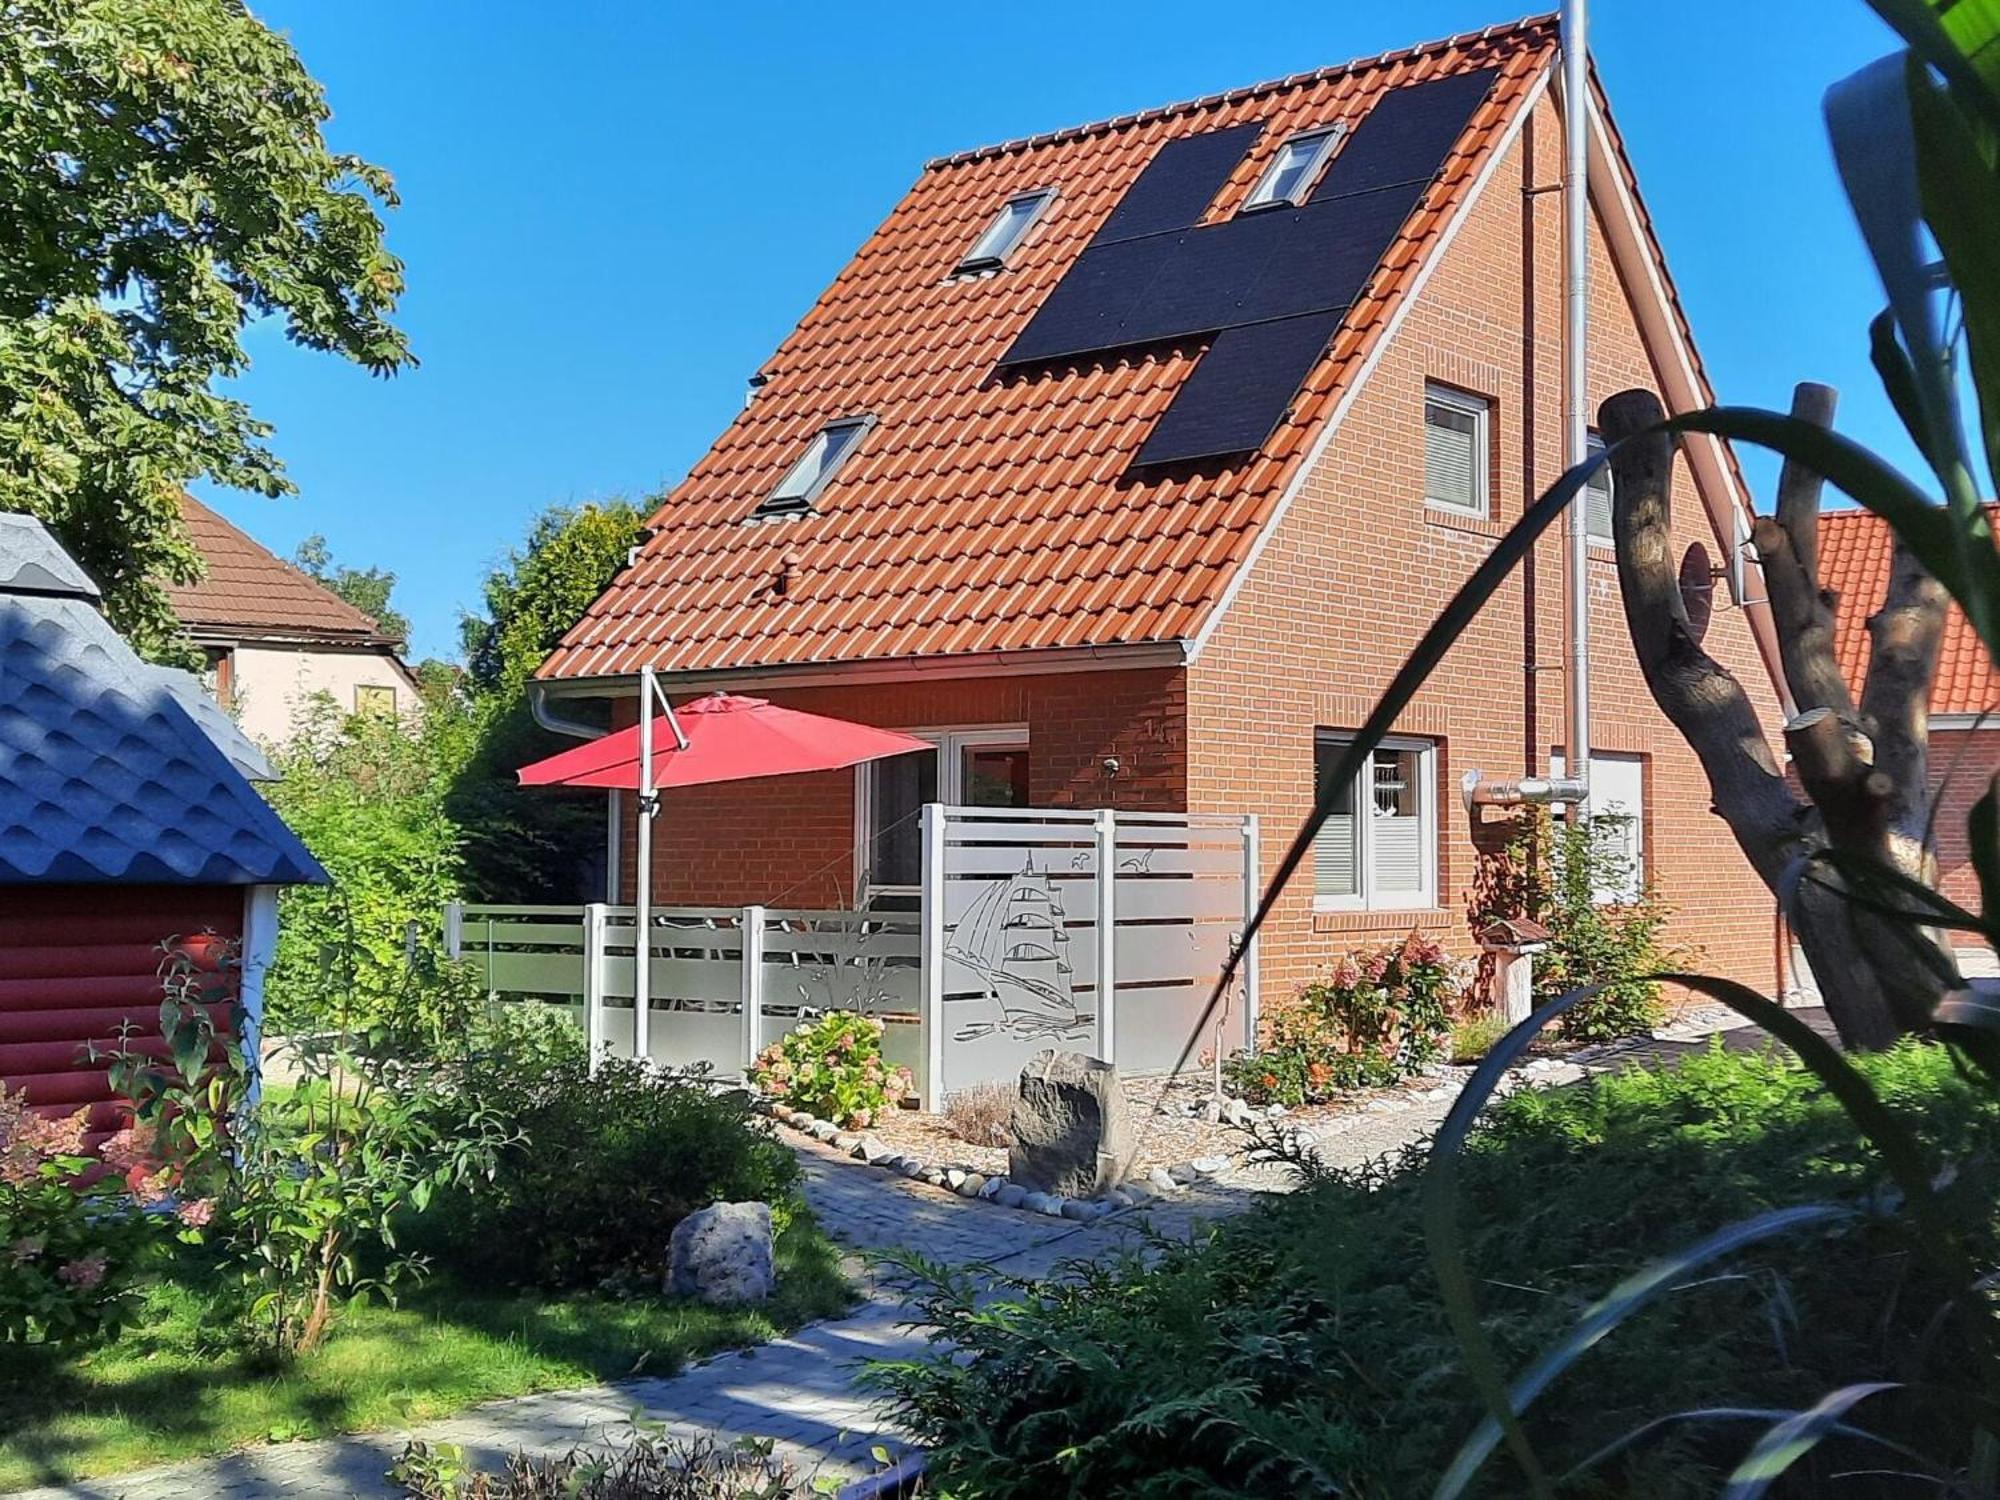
{"x": 727, "y": 738}
{"x": 718, "y": 738}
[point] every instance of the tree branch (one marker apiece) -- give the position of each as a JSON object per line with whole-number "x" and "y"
{"x": 1896, "y": 698}
{"x": 1701, "y": 697}
{"x": 1788, "y": 548}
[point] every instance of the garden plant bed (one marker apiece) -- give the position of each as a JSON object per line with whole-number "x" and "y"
{"x": 171, "y": 1386}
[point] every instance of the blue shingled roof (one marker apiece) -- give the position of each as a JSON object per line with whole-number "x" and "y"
{"x": 108, "y": 774}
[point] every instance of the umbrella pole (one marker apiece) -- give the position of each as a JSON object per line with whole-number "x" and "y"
{"x": 642, "y": 945}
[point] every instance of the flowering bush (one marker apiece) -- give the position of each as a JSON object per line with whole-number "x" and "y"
{"x": 833, "y": 1068}
{"x": 1376, "y": 1017}
{"x": 70, "y": 1238}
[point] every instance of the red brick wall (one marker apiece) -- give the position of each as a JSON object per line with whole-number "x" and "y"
{"x": 1358, "y": 568}
{"x": 1969, "y": 758}
{"x": 790, "y": 840}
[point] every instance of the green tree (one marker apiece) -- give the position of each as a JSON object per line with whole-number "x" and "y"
{"x": 367, "y": 589}
{"x": 532, "y": 844}
{"x": 164, "y": 180}
{"x": 367, "y": 795}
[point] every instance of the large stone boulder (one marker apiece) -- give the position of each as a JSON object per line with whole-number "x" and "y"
{"x": 1071, "y": 1136}
{"x": 723, "y": 1253}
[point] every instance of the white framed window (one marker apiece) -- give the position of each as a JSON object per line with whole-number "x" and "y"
{"x": 1456, "y": 426}
{"x": 1378, "y": 851}
{"x": 1294, "y": 170}
{"x": 815, "y": 467}
{"x": 986, "y": 766}
{"x": 1016, "y": 217}
{"x": 1617, "y": 810}
{"x": 1597, "y": 499}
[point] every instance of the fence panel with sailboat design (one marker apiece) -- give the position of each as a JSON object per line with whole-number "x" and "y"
{"x": 1016, "y": 898}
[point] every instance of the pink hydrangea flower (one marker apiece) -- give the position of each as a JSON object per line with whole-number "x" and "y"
{"x": 27, "y": 1247}
{"x": 196, "y": 1212}
{"x": 85, "y": 1272}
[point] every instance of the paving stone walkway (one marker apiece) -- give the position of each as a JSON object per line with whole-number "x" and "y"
{"x": 800, "y": 1391}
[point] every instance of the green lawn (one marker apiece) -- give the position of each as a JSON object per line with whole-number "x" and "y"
{"x": 172, "y": 1386}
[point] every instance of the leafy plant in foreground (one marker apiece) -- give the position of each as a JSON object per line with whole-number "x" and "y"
{"x": 833, "y": 1067}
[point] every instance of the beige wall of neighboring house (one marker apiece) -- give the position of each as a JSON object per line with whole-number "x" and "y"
{"x": 269, "y": 684}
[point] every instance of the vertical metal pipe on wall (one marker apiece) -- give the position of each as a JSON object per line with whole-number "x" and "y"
{"x": 1575, "y": 378}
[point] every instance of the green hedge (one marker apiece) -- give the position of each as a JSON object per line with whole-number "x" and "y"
{"x": 1302, "y": 1349}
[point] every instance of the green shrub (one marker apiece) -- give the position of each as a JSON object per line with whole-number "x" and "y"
{"x": 1302, "y": 1348}
{"x": 833, "y": 1067}
{"x": 1472, "y": 1037}
{"x": 602, "y": 1169}
{"x": 1606, "y": 924}
{"x": 653, "y": 1465}
{"x": 1377, "y": 1017}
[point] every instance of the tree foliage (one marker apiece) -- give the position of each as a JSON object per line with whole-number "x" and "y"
{"x": 164, "y": 180}
{"x": 367, "y": 589}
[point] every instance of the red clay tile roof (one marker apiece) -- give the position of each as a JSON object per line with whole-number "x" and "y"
{"x": 1854, "y": 553}
{"x": 250, "y": 592}
{"x": 985, "y": 514}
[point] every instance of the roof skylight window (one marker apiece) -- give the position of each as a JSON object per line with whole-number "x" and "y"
{"x": 806, "y": 478}
{"x": 1294, "y": 169}
{"x": 990, "y": 251}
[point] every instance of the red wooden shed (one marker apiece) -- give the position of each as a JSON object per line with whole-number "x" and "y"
{"x": 128, "y": 822}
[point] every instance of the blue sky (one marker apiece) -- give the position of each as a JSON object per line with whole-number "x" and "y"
{"x": 613, "y": 212}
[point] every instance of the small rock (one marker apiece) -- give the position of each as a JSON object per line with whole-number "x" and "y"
{"x": 910, "y": 1167}
{"x": 1011, "y": 1195}
{"x": 932, "y": 1175}
{"x": 954, "y": 1177}
{"x": 1052, "y": 1205}
{"x": 846, "y": 1141}
{"x": 1212, "y": 1112}
{"x": 1210, "y": 1166}
{"x": 1120, "y": 1197}
{"x": 990, "y": 1189}
{"x": 1073, "y": 1208}
{"x": 1038, "y": 1202}
{"x": 1236, "y": 1112}
{"x": 723, "y": 1253}
{"x": 969, "y": 1184}
{"x": 823, "y": 1130}
{"x": 1275, "y": 1111}
{"x": 1182, "y": 1173}
{"x": 871, "y": 1150}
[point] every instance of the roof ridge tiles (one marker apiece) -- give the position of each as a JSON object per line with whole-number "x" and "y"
{"x": 1536, "y": 21}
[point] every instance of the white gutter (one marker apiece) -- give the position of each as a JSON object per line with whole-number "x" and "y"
{"x": 555, "y": 723}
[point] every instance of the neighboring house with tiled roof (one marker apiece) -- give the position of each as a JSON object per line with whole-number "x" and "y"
{"x": 1855, "y": 550}
{"x": 127, "y": 818}
{"x": 1126, "y": 463}
{"x": 273, "y": 635}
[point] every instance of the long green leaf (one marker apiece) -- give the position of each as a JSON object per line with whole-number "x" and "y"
{"x": 1727, "y": 1414}
{"x": 1792, "y": 1439}
{"x": 1961, "y": 40}
{"x": 1956, "y": 549}
{"x": 1630, "y": 1295}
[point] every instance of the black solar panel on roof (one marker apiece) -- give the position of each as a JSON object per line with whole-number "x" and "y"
{"x": 1155, "y": 274}
{"x": 1243, "y": 385}
{"x": 1179, "y": 183}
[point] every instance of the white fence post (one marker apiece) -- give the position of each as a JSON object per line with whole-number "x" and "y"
{"x": 931, "y": 950}
{"x": 1106, "y": 823}
{"x": 595, "y": 961}
{"x": 752, "y": 930}
{"x": 1253, "y": 892}
{"x": 454, "y": 928}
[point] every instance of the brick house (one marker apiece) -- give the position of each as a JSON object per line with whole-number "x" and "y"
{"x": 1056, "y": 567}
{"x": 1855, "y": 549}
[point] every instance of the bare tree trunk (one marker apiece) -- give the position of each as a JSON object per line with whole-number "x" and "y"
{"x": 1864, "y": 773}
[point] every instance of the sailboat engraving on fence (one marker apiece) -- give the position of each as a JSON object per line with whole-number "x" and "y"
{"x": 1015, "y": 938}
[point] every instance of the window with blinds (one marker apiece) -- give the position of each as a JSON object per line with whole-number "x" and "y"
{"x": 1455, "y": 447}
{"x": 1378, "y": 849}
{"x": 1597, "y": 499}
